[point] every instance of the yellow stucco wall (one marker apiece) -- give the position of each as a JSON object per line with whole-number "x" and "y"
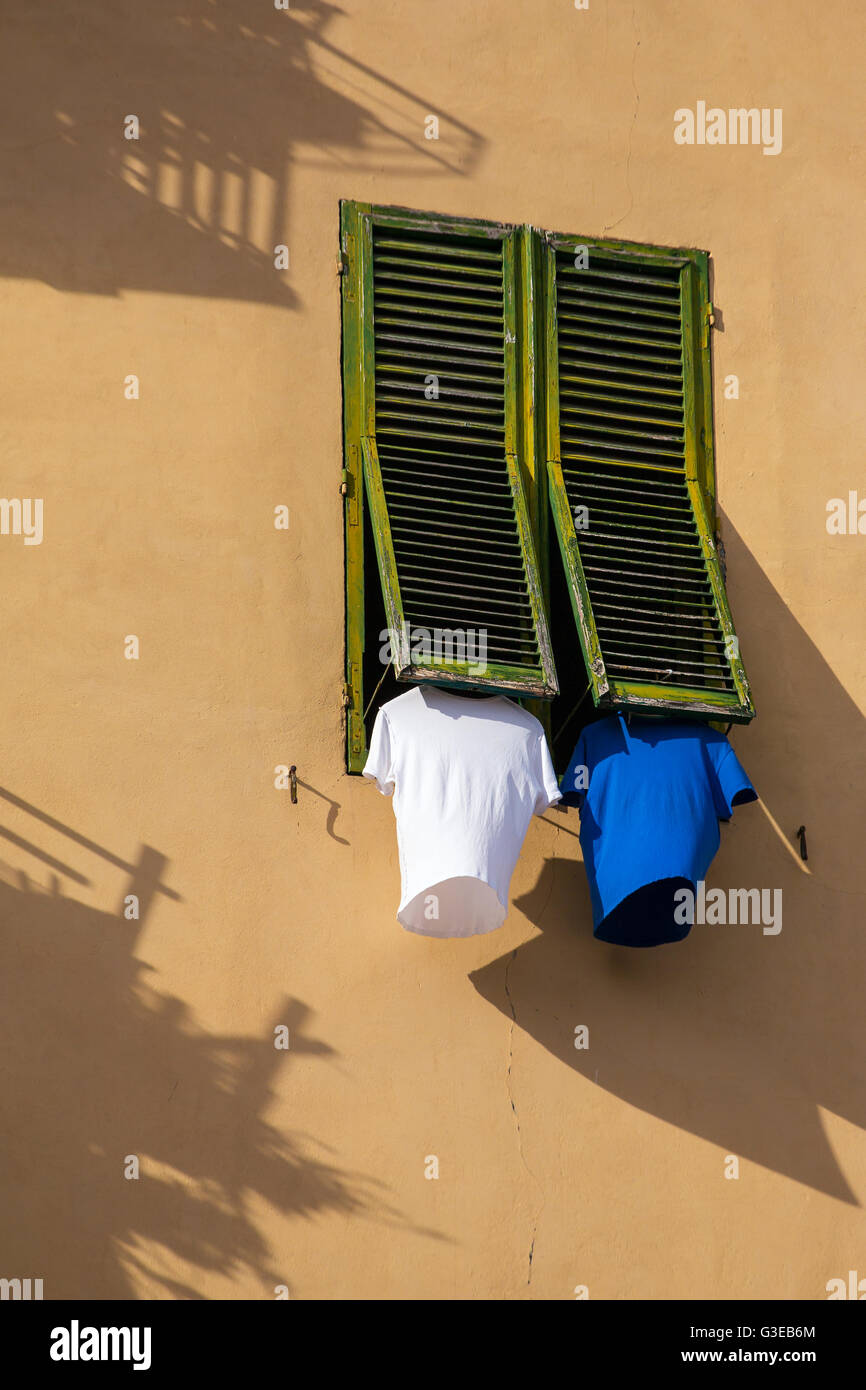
{"x": 306, "y": 1168}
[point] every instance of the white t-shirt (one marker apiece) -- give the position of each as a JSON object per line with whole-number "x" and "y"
{"x": 467, "y": 775}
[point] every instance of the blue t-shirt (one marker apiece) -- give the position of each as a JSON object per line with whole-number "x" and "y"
{"x": 651, "y": 798}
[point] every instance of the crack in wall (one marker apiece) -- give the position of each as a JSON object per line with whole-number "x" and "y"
{"x": 514, "y": 1107}
{"x": 611, "y": 225}
{"x": 509, "y": 1091}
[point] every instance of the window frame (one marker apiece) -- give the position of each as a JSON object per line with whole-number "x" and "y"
{"x": 533, "y": 461}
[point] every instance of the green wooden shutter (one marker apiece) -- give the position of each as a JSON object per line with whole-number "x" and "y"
{"x": 629, "y": 439}
{"x": 431, "y": 419}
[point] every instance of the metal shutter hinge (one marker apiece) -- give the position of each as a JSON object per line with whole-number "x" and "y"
{"x": 350, "y": 486}
{"x": 709, "y": 321}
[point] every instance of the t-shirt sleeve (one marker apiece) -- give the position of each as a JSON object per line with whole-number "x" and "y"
{"x": 574, "y": 782}
{"x": 548, "y": 792}
{"x": 731, "y": 785}
{"x": 379, "y": 766}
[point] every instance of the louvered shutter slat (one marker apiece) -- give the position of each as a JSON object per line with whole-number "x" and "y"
{"x": 644, "y": 577}
{"x": 454, "y": 546}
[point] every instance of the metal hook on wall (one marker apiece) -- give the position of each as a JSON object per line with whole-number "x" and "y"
{"x": 293, "y": 784}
